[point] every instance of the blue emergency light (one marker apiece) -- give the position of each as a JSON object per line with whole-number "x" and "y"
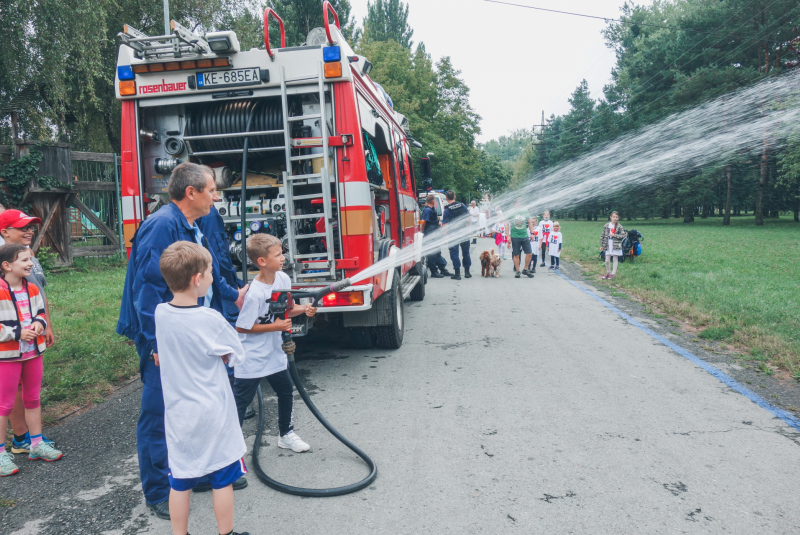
{"x": 125, "y": 72}
{"x": 331, "y": 53}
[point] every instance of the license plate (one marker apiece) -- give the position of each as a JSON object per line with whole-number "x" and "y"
{"x": 229, "y": 78}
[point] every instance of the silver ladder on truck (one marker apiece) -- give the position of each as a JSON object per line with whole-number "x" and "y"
{"x": 321, "y": 179}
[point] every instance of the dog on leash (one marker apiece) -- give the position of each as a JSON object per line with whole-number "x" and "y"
{"x": 486, "y": 261}
{"x": 494, "y": 263}
{"x": 490, "y": 264}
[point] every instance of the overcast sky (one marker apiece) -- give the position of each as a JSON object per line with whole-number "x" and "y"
{"x": 524, "y": 61}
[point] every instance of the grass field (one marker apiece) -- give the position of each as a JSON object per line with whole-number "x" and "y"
{"x": 738, "y": 284}
{"x": 88, "y": 357}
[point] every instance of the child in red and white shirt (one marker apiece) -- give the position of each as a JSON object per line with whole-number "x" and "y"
{"x": 536, "y": 242}
{"x": 554, "y": 242}
{"x": 22, "y": 342}
{"x": 546, "y": 226}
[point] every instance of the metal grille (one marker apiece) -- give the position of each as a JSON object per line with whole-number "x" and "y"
{"x": 103, "y": 204}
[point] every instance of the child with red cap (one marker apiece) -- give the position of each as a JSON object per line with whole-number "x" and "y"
{"x": 18, "y": 227}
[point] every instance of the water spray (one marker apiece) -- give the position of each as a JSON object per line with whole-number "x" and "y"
{"x": 733, "y": 125}
{"x": 280, "y": 306}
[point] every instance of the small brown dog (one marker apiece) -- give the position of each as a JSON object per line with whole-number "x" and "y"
{"x": 486, "y": 262}
{"x": 490, "y": 264}
{"x": 494, "y": 263}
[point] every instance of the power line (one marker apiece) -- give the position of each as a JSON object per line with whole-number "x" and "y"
{"x": 607, "y": 19}
{"x": 644, "y": 106}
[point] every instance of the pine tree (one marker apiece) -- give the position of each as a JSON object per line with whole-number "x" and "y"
{"x": 388, "y": 20}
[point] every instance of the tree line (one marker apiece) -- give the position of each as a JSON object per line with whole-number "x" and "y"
{"x": 58, "y": 62}
{"x": 670, "y": 56}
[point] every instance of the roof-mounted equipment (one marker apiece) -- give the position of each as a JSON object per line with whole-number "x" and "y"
{"x": 181, "y": 41}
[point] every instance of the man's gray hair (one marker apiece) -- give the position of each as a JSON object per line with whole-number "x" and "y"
{"x": 185, "y": 175}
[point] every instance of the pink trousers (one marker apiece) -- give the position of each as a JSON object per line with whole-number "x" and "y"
{"x": 30, "y": 372}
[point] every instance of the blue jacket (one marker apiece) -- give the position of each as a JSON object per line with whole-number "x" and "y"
{"x": 145, "y": 288}
{"x": 213, "y": 228}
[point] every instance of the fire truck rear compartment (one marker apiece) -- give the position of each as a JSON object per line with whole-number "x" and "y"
{"x": 209, "y": 133}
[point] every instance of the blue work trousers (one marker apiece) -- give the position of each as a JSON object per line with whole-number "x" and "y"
{"x": 464, "y": 253}
{"x": 151, "y": 444}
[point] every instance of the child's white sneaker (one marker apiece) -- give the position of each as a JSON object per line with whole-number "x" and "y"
{"x": 290, "y": 441}
{"x": 7, "y": 466}
{"x": 45, "y": 452}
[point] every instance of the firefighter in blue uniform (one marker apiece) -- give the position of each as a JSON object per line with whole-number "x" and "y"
{"x": 456, "y": 211}
{"x": 429, "y": 223}
{"x": 192, "y": 191}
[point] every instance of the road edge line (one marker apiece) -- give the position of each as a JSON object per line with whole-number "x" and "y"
{"x": 688, "y": 355}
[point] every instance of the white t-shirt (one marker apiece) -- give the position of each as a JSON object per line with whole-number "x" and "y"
{"x": 536, "y": 238}
{"x": 200, "y": 420}
{"x": 553, "y": 242}
{"x": 546, "y": 226}
{"x": 264, "y": 353}
{"x": 500, "y": 227}
{"x": 474, "y": 212}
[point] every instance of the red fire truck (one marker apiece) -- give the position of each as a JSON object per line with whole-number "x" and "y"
{"x": 304, "y": 146}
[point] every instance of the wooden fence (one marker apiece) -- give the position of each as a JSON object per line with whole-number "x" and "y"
{"x": 77, "y": 221}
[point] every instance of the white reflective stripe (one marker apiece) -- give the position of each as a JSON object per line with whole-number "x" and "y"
{"x": 418, "y": 247}
{"x": 356, "y": 194}
{"x": 128, "y": 211}
{"x": 390, "y": 277}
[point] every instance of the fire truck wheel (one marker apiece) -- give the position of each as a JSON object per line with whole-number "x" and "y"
{"x": 418, "y": 293}
{"x": 391, "y": 336}
{"x": 362, "y": 337}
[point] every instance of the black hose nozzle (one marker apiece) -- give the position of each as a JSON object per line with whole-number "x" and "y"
{"x": 341, "y": 285}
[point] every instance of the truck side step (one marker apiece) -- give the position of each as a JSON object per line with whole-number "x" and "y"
{"x": 408, "y": 284}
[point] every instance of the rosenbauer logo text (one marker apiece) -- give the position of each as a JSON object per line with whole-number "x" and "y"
{"x": 163, "y": 87}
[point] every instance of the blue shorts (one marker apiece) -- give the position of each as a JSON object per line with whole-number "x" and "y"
{"x": 219, "y": 479}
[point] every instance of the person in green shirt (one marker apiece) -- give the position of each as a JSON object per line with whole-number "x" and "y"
{"x": 517, "y": 227}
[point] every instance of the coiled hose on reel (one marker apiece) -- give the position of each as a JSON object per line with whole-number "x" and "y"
{"x": 232, "y": 118}
{"x": 300, "y": 491}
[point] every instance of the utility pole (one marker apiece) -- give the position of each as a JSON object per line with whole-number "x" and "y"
{"x": 167, "y": 29}
{"x": 544, "y": 144}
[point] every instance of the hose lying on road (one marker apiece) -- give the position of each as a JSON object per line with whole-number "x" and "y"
{"x": 300, "y": 491}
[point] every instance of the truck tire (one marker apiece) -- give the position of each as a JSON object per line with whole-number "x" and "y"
{"x": 418, "y": 293}
{"x": 391, "y": 336}
{"x": 362, "y": 337}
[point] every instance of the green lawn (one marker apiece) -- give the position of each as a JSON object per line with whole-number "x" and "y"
{"x": 88, "y": 356}
{"x": 739, "y": 284}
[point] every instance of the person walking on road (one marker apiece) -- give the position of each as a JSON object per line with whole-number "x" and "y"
{"x": 519, "y": 225}
{"x": 474, "y": 215}
{"x": 453, "y": 212}
{"x": 192, "y": 192}
{"x": 429, "y": 224}
{"x": 546, "y": 227}
{"x": 611, "y": 243}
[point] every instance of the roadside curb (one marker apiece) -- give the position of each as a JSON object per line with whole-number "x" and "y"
{"x": 716, "y": 372}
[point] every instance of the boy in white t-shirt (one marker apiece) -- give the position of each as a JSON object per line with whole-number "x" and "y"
{"x": 536, "y": 243}
{"x": 554, "y": 242}
{"x": 260, "y": 333}
{"x": 204, "y": 439}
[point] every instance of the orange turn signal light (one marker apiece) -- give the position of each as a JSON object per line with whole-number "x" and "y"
{"x": 138, "y": 69}
{"x": 156, "y": 67}
{"x": 333, "y": 70}
{"x": 204, "y": 63}
{"x": 222, "y": 62}
{"x": 173, "y": 66}
{"x": 127, "y": 87}
{"x": 343, "y": 299}
{"x": 190, "y": 64}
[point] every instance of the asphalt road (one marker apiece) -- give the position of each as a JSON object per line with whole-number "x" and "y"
{"x": 514, "y": 405}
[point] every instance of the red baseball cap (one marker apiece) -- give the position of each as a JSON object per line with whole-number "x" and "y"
{"x": 17, "y": 219}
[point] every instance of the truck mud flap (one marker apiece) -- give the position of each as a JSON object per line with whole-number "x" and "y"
{"x": 380, "y": 314}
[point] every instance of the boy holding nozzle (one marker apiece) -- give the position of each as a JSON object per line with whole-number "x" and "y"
{"x": 260, "y": 333}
